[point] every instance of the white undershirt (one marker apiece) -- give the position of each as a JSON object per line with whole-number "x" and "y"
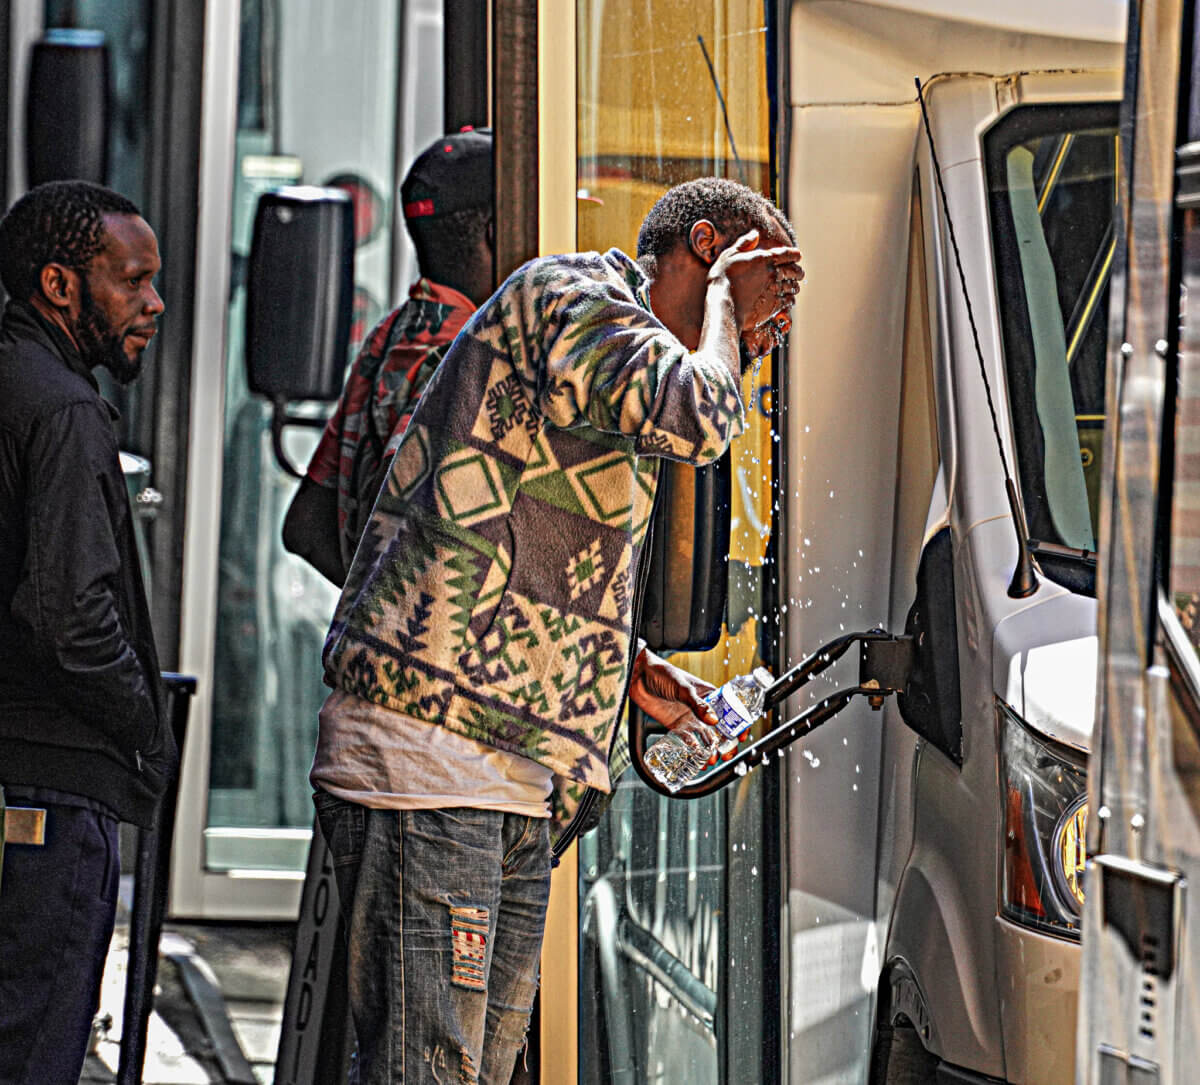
{"x": 379, "y": 758}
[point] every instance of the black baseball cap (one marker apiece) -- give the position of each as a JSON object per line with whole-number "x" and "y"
{"x": 454, "y": 173}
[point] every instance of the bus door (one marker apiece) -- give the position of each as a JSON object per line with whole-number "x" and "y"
{"x": 301, "y": 93}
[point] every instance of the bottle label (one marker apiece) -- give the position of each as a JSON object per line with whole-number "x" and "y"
{"x": 732, "y": 716}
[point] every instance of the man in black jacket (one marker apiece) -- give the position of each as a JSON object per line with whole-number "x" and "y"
{"x": 82, "y": 730}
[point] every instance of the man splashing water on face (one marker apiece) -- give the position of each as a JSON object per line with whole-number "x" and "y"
{"x": 484, "y": 642}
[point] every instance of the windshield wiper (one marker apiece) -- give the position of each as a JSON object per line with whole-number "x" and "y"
{"x": 1068, "y": 566}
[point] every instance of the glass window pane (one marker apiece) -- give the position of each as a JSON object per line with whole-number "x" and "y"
{"x": 1052, "y": 192}
{"x": 316, "y": 105}
{"x": 670, "y": 949}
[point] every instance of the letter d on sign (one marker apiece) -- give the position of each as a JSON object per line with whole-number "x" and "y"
{"x": 314, "y": 1042}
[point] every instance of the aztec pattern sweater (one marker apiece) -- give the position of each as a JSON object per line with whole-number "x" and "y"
{"x": 493, "y": 591}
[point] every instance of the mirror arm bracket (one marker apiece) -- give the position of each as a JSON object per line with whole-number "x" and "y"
{"x": 280, "y": 418}
{"x": 885, "y": 664}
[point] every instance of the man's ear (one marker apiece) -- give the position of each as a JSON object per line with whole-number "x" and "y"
{"x": 59, "y": 285}
{"x": 704, "y": 241}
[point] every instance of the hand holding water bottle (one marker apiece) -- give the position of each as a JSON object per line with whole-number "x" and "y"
{"x": 669, "y": 694}
{"x": 676, "y": 699}
{"x": 681, "y": 754}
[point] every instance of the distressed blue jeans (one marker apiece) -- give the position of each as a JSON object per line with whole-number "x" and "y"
{"x": 445, "y": 912}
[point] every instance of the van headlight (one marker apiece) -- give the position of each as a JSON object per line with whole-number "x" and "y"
{"x": 1045, "y": 828}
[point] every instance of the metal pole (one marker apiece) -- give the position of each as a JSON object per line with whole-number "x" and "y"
{"x": 1130, "y": 983}
{"x": 515, "y": 124}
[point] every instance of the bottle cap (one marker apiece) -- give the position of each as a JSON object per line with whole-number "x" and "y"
{"x": 763, "y": 677}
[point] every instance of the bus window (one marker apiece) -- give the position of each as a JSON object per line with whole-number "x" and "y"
{"x": 1052, "y": 191}
{"x": 678, "y": 982}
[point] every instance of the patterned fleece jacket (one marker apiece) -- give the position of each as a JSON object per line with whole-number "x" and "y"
{"x": 493, "y": 591}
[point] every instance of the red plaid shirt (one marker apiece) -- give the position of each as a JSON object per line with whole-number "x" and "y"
{"x": 385, "y": 382}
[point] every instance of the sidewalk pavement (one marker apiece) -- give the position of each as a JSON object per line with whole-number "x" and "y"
{"x": 217, "y": 1008}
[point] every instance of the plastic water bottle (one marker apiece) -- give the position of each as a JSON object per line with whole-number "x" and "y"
{"x": 679, "y": 755}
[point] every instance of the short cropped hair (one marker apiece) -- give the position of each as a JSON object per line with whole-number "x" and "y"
{"x": 60, "y": 222}
{"x": 730, "y": 206}
{"x": 444, "y": 244}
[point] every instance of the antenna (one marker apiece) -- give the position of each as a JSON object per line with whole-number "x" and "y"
{"x": 712, "y": 72}
{"x": 1024, "y": 579}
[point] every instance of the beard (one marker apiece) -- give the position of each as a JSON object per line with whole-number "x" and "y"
{"x": 100, "y": 344}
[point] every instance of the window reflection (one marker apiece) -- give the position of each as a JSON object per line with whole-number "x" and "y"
{"x": 316, "y": 105}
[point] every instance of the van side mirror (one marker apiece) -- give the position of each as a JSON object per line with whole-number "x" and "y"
{"x": 931, "y": 703}
{"x": 299, "y": 300}
{"x": 67, "y": 108}
{"x": 687, "y": 583}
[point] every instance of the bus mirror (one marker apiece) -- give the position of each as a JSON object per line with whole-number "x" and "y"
{"x": 300, "y": 294}
{"x": 67, "y": 108}
{"x": 684, "y": 601}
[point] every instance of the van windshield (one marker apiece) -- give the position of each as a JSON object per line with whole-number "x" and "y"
{"x": 1051, "y": 193}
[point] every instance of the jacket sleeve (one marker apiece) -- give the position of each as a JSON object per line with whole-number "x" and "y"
{"x": 67, "y": 595}
{"x": 610, "y": 363}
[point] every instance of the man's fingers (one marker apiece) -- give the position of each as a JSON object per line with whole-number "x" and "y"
{"x": 781, "y": 257}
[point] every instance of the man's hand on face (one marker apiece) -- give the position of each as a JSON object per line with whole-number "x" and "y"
{"x": 762, "y": 282}
{"x": 669, "y": 694}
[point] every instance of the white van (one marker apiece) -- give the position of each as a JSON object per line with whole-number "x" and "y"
{"x": 933, "y": 852}
{"x": 954, "y": 939}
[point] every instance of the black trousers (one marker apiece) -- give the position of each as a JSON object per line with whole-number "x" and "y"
{"x": 57, "y": 908}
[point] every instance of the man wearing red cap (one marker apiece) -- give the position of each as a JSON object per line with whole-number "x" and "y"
{"x": 447, "y": 201}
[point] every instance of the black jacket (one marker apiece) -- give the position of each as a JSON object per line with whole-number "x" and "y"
{"x": 81, "y": 704}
